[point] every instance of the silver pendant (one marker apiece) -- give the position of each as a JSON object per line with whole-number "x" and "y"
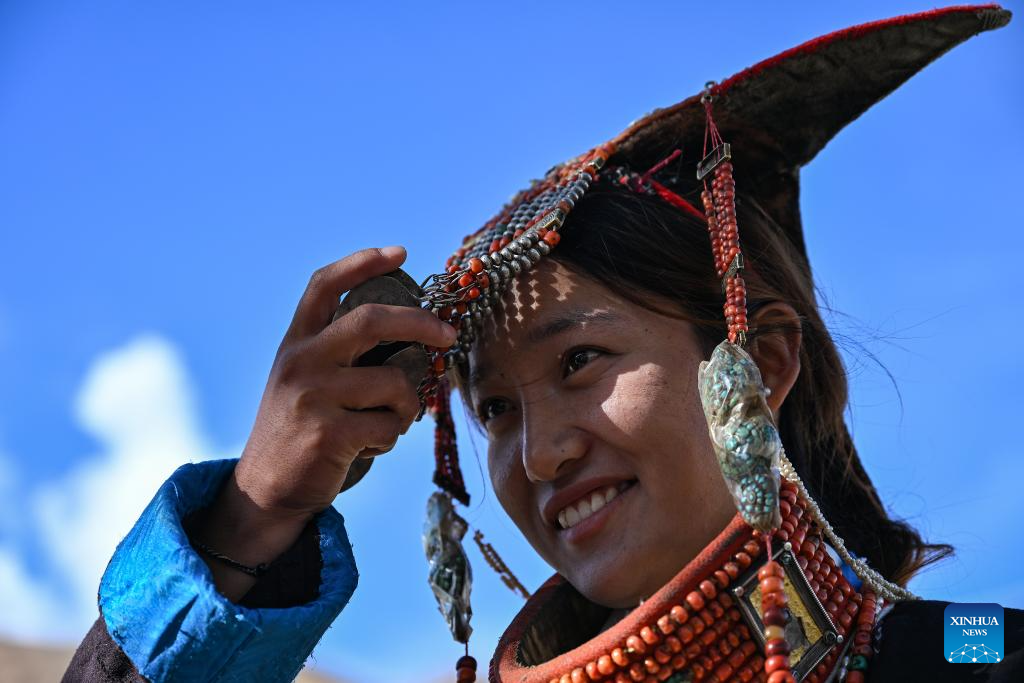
{"x": 450, "y": 575}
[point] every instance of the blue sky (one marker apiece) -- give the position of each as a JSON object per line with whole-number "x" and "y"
{"x": 172, "y": 173}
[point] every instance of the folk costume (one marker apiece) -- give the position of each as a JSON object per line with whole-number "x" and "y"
{"x": 775, "y": 597}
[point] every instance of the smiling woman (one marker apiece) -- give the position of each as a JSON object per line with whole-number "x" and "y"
{"x": 601, "y": 410}
{"x": 586, "y": 380}
{"x": 636, "y": 387}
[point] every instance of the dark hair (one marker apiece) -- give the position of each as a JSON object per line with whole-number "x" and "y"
{"x": 638, "y": 246}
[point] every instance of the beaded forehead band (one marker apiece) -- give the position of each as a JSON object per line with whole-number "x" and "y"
{"x": 778, "y": 114}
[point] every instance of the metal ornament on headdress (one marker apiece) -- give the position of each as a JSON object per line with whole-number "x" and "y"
{"x": 743, "y": 432}
{"x": 450, "y": 575}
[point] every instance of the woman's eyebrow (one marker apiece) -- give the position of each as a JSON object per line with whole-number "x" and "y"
{"x": 568, "y": 321}
{"x": 548, "y": 329}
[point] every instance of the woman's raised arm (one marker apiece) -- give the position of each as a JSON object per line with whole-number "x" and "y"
{"x": 172, "y": 607}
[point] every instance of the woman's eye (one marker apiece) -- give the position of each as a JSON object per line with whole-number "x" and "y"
{"x": 577, "y": 358}
{"x": 492, "y": 408}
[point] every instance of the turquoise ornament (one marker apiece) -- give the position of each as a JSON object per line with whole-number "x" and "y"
{"x": 743, "y": 433}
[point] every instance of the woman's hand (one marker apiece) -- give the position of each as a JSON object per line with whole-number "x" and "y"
{"x": 315, "y": 418}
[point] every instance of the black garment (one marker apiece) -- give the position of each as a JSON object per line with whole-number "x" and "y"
{"x": 910, "y": 648}
{"x": 908, "y": 641}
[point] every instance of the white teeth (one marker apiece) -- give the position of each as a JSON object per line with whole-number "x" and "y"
{"x": 581, "y": 509}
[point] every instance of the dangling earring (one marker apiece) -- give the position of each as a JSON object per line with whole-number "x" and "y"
{"x": 450, "y": 575}
{"x": 743, "y": 433}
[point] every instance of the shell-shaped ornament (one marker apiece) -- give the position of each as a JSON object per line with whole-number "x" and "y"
{"x": 450, "y": 575}
{"x": 743, "y": 433}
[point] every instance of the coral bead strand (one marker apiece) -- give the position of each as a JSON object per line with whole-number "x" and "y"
{"x": 775, "y": 615}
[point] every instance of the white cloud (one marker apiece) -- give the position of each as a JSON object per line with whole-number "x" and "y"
{"x": 30, "y": 609}
{"x": 138, "y": 403}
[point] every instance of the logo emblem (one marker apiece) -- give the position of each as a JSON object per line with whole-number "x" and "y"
{"x": 973, "y": 633}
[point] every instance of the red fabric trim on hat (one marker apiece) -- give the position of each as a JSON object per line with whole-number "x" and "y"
{"x": 846, "y": 33}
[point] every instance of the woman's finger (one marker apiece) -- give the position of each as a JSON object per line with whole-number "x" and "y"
{"x": 375, "y": 388}
{"x": 376, "y": 429}
{"x": 327, "y": 284}
{"x": 362, "y": 328}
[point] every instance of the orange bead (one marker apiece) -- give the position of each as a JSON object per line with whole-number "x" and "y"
{"x": 770, "y": 569}
{"x": 776, "y": 662}
{"x": 635, "y": 644}
{"x": 620, "y": 657}
{"x": 786, "y": 677}
{"x": 678, "y": 613}
{"x": 723, "y": 671}
{"x": 708, "y": 589}
{"x": 649, "y": 636}
{"x": 577, "y": 676}
{"x": 475, "y": 265}
{"x": 552, "y": 238}
{"x": 483, "y": 280}
{"x": 695, "y": 600}
{"x": 466, "y": 280}
{"x": 771, "y": 584}
{"x": 605, "y": 665}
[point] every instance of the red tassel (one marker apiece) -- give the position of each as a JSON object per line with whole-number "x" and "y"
{"x": 447, "y": 474}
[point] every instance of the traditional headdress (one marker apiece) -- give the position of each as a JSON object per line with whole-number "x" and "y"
{"x": 770, "y": 120}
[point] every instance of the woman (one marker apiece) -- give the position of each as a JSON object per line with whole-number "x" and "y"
{"x": 586, "y": 370}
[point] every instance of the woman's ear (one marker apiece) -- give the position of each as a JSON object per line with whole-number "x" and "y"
{"x": 776, "y": 349}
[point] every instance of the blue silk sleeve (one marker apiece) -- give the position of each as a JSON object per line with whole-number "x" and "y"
{"x": 160, "y": 606}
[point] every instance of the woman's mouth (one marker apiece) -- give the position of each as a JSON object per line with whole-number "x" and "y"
{"x": 589, "y": 505}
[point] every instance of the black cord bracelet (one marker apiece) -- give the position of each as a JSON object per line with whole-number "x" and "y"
{"x": 255, "y": 572}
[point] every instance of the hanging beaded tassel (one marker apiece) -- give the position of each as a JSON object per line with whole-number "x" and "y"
{"x": 743, "y": 432}
{"x": 447, "y": 473}
{"x": 498, "y": 565}
{"x": 450, "y": 575}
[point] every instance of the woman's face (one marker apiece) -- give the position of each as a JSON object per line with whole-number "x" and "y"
{"x": 597, "y": 445}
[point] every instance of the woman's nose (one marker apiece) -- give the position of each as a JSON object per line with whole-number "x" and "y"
{"x": 551, "y": 441}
